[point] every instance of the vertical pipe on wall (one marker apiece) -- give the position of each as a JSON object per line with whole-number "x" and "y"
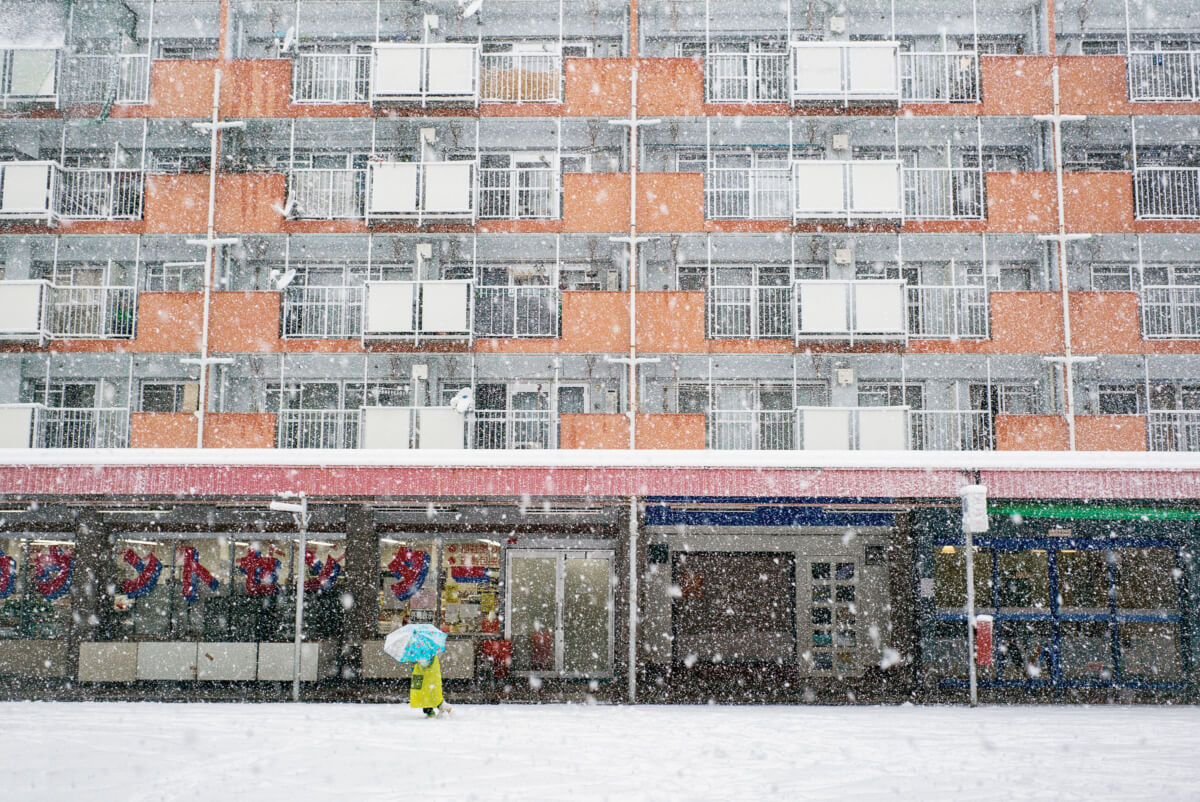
{"x": 209, "y": 257}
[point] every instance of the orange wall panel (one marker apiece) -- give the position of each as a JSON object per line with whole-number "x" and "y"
{"x": 593, "y": 431}
{"x": 595, "y": 322}
{"x": 162, "y": 430}
{"x": 1018, "y": 202}
{"x": 1098, "y": 202}
{"x": 250, "y": 202}
{"x": 1110, "y": 433}
{"x": 671, "y": 322}
{"x": 181, "y": 87}
{"x": 256, "y": 88}
{"x": 671, "y": 87}
{"x": 239, "y": 430}
{"x": 1016, "y": 84}
{"x": 671, "y": 202}
{"x": 1105, "y": 323}
{"x": 169, "y": 322}
{"x": 176, "y": 203}
{"x": 596, "y": 202}
{"x": 677, "y": 431}
{"x": 1093, "y": 85}
{"x": 244, "y": 322}
{"x": 596, "y": 87}
{"x": 1031, "y": 433}
{"x": 1026, "y": 323}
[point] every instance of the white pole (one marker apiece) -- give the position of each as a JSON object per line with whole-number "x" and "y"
{"x": 209, "y": 258}
{"x": 633, "y": 598}
{"x": 302, "y": 524}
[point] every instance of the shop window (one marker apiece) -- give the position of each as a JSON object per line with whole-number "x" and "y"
{"x": 1150, "y": 652}
{"x": 1024, "y": 579}
{"x": 1146, "y": 579}
{"x": 1086, "y": 650}
{"x": 1025, "y": 650}
{"x": 35, "y": 587}
{"x": 950, "y": 577}
{"x": 1083, "y": 579}
{"x": 455, "y": 586}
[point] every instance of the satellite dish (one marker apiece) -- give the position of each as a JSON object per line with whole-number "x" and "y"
{"x": 281, "y": 280}
{"x": 470, "y": 7}
{"x": 462, "y": 401}
{"x": 289, "y": 40}
{"x": 289, "y": 206}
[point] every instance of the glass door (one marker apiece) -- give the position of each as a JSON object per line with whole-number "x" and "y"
{"x": 560, "y": 612}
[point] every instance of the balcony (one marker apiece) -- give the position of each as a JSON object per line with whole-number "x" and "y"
{"x": 1167, "y": 193}
{"x": 513, "y": 429}
{"x": 948, "y": 313}
{"x": 331, "y": 78}
{"x": 939, "y": 77}
{"x": 38, "y": 426}
{"x": 412, "y": 427}
{"x": 521, "y": 77}
{"x": 122, "y": 79}
{"x": 41, "y": 190}
{"x": 837, "y": 309}
{"x": 28, "y": 76}
{"x": 849, "y": 189}
{"x": 748, "y": 193}
{"x": 750, "y": 312}
{"x": 519, "y": 193}
{"x": 1169, "y": 75}
{"x": 317, "y": 428}
{"x": 422, "y": 192}
{"x": 322, "y": 312}
{"x": 1170, "y": 313}
{"x": 425, "y": 73}
{"x": 37, "y": 310}
{"x": 850, "y": 428}
{"x": 1173, "y": 430}
{"x": 517, "y": 311}
{"x": 417, "y": 309}
{"x": 845, "y": 72}
{"x": 746, "y": 78}
{"x": 944, "y": 193}
{"x": 326, "y": 193}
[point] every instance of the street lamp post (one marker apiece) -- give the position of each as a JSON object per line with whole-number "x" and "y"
{"x": 300, "y": 511}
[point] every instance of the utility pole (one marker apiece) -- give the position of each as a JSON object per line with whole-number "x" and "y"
{"x": 300, "y": 511}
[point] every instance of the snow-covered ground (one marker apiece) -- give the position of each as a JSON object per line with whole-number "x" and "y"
{"x": 149, "y": 751}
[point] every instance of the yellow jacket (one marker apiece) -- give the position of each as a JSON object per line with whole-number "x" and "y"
{"x": 425, "y": 689}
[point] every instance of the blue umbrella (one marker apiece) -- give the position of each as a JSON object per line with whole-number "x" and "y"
{"x": 413, "y": 642}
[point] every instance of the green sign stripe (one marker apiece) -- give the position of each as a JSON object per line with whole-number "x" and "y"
{"x": 1094, "y": 512}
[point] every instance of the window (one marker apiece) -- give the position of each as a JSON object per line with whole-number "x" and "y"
{"x": 1017, "y": 399}
{"x": 170, "y": 397}
{"x": 1092, "y": 46}
{"x": 1097, "y": 159}
{"x": 66, "y": 395}
{"x": 891, "y": 394}
{"x": 466, "y": 600}
{"x": 1118, "y": 278}
{"x": 690, "y": 162}
{"x": 174, "y": 277}
{"x": 693, "y": 398}
{"x": 1121, "y": 399}
{"x": 38, "y": 601}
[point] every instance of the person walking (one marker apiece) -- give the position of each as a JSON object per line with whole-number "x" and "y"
{"x": 425, "y": 688}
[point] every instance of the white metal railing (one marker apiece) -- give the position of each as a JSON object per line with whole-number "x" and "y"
{"x": 92, "y": 312}
{"x": 331, "y": 78}
{"x": 747, "y": 193}
{"x": 58, "y": 427}
{"x": 317, "y": 193}
{"x": 746, "y": 77}
{"x": 1167, "y": 193}
{"x": 518, "y": 193}
{"x": 525, "y": 311}
{"x": 749, "y": 312}
{"x": 752, "y": 430}
{"x": 943, "y": 312}
{"x": 1173, "y": 430}
{"x": 322, "y": 312}
{"x": 100, "y": 194}
{"x": 28, "y": 76}
{"x": 844, "y": 71}
{"x": 1170, "y": 312}
{"x": 426, "y": 72}
{"x": 939, "y": 77}
{"x": 944, "y": 193}
{"x": 317, "y": 428}
{"x": 1170, "y": 75}
{"x": 513, "y": 428}
{"x": 521, "y": 77}
{"x": 114, "y": 78}
{"x": 949, "y": 430}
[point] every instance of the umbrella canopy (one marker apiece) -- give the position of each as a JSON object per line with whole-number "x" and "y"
{"x": 413, "y": 642}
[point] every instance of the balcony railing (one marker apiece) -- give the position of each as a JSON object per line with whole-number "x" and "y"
{"x": 748, "y": 193}
{"x": 746, "y": 77}
{"x": 316, "y": 193}
{"x": 518, "y": 193}
{"x": 28, "y": 76}
{"x": 93, "y": 312}
{"x": 521, "y": 77}
{"x": 331, "y": 78}
{"x": 1167, "y": 193}
{"x": 862, "y": 188}
{"x": 752, "y": 430}
{"x": 513, "y": 428}
{"x": 26, "y": 305}
{"x": 81, "y": 428}
{"x": 1173, "y": 430}
{"x": 944, "y": 193}
{"x": 526, "y": 311}
{"x": 322, "y": 312}
{"x": 317, "y": 428}
{"x": 939, "y": 77}
{"x": 100, "y": 194}
{"x": 948, "y": 312}
{"x": 116, "y": 78}
{"x": 1171, "y": 75}
{"x": 1170, "y": 312}
{"x": 950, "y": 430}
{"x": 750, "y": 312}
{"x": 425, "y": 72}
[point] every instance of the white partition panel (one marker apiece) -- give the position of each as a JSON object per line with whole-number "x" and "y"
{"x": 818, "y": 187}
{"x": 447, "y": 187}
{"x": 879, "y": 306}
{"x": 872, "y": 69}
{"x": 440, "y": 428}
{"x": 25, "y": 188}
{"x": 393, "y": 188}
{"x": 386, "y": 427}
{"x": 107, "y": 661}
{"x": 397, "y": 71}
{"x": 276, "y": 661}
{"x": 166, "y": 661}
{"x": 227, "y": 661}
{"x": 875, "y": 187}
{"x": 16, "y": 425}
{"x": 825, "y": 429}
{"x": 451, "y": 70}
{"x": 33, "y": 73}
{"x": 824, "y": 306}
{"x": 883, "y": 429}
{"x": 390, "y": 307}
{"x": 817, "y": 70}
{"x": 21, "y": 309}
{"x": 445, "y": 306}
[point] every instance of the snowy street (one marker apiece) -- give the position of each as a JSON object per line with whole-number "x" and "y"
{"x": 149, "y": 751}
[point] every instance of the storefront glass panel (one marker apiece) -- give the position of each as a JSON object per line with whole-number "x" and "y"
{"x": 1085, "y": 651}
{"x": 950, "y": 577}
{"x": 1025, "y": 650}
{"x": 1146, "y": 579}
{"x": 532, "y": 612}
{"x": 585, "y": 616}
{"x": 1024, "y": 580}
{"x": 408, "y": 583}
{"x": 1083, "y": 580}
{"x": 1150, "y": 652}
{"x": 50, "y": 576}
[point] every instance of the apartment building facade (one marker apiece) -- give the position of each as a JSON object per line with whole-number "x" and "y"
{"x": 751, "y": 287}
